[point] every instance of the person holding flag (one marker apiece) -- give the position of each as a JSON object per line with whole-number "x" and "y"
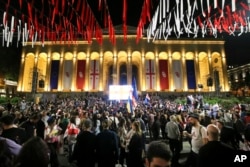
{"x": 147, "y": 100}
{"x": 134, "y": 93}
{"x": 132, "y": 99}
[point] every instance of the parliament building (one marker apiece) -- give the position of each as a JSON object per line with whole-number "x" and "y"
{"x": 158, "y": 66}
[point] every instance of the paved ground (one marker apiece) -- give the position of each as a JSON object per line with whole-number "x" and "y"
{"x": 186, "y": 149}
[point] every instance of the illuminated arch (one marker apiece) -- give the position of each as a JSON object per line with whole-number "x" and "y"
{"x": 55, "y": 56}
{"x": 189, "y": 55}
{"x": 42, "y": 66}
{"x": 149, "y": 55}
{"x": 68, "y": 56}
{"x": 163, "y": 55}
{"x": 28, "y": 72}
{"x": 176, "y": 56}
{"x": 81, "y": 56}
{"x": 94, "y": 56}
{"x": 204, "y": 69}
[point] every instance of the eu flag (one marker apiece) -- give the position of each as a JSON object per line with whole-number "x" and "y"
{"x": 134, "y": 93}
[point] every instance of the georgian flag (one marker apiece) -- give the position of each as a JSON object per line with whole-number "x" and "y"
{"x": 94, "y": 75}
{"x": 150, "y": 74}
{"x": 80, "y": 77}
{"x": 177, "y": 74}
{"x": 67, "y": 74}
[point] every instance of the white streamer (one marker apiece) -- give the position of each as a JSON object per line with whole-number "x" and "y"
{"x": 164, "y": 9}
{"x": 168, "y": 6}
{"x": 3, "y": 39}
{"x": 208, "y": 6}
{"x": 215, "y": 4}
{"x": 233, "y": 6}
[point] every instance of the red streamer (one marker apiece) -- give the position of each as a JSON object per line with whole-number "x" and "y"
{"x": 21, "y": 4}
{"x": 124, "y": 17}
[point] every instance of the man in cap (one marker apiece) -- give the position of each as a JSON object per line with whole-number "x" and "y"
{"x": 198, "y": 137}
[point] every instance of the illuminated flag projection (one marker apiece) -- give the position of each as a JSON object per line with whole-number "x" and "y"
{"x": 177, "y": 74}
{"x": 80, "y": 78}
{"x": 94, "y": 75}
{"x": 54, "y": 73}
{"x": 150, "y": 74}
{"x": 163, "y": 73}
{"x": 67, "y": 74}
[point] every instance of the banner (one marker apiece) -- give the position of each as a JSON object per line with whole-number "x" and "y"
{"x": 134, "y": 92}
{"x": 94, "y": 75}
{"x": 67, "y": 74}
{"x": 190, "y": 74}
{"x": 163, "y": 73}
{"x": 80, "y": 78}
{"x": 54, "y": 74}
{"x": 177, "y": 74}
{"x": 150, "y": 74}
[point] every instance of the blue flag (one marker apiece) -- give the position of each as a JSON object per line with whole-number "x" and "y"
{"x": 134, "y": 93}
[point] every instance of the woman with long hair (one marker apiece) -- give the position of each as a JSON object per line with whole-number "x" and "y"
{"x": 135, "y": 146}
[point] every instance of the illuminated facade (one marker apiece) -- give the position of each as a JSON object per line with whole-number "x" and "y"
{"x": 239, "y": 79}
{"x": 166, "y": 66}
{"x": 7, "y": 88}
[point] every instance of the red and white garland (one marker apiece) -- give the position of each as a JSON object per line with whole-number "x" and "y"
{"x": 170, "y": 18}
{"x": 228, "y": 19}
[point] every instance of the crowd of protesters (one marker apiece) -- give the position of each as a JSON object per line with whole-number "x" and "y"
{"x": 103, "y": 132}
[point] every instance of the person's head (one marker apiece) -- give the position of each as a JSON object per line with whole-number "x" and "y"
{"x": 213, "y": 132}
{"x": 7, "y": 120}
{"x": 34, "y": 118}
{"x": 106, "y": 124}
{"x": 219, "y": 124}
{"x": 73, "y": 119}
{"x": 158, "y": 154}
{"x": 172, "y": 118}
{"x": 193, "y": 118}
{"x": 136, "y": 126}
{"x": 122, "y": 122}
{"x": 87, "y": 124}
{"x": 34, "y": 152}
{"x": 51, "y": 121}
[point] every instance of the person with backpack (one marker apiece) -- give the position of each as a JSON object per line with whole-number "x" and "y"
{"x": 198, "y": 137}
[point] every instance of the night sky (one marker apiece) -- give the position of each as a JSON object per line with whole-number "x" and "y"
{"x": 238, "y": 49}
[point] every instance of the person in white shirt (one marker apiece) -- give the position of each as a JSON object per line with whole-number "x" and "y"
{"x": 198, "y": 139}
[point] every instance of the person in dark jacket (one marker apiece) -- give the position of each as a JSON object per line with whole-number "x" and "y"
{"x": 135, "y": 146}
{"x": 107, "y": 146}
{"x": 214, "y": 151}
{"x": 10, "y": 130}
{"x": 227, "y": 135}
{"x": 85, "y": 148}
{"x": 30, "y": 126}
